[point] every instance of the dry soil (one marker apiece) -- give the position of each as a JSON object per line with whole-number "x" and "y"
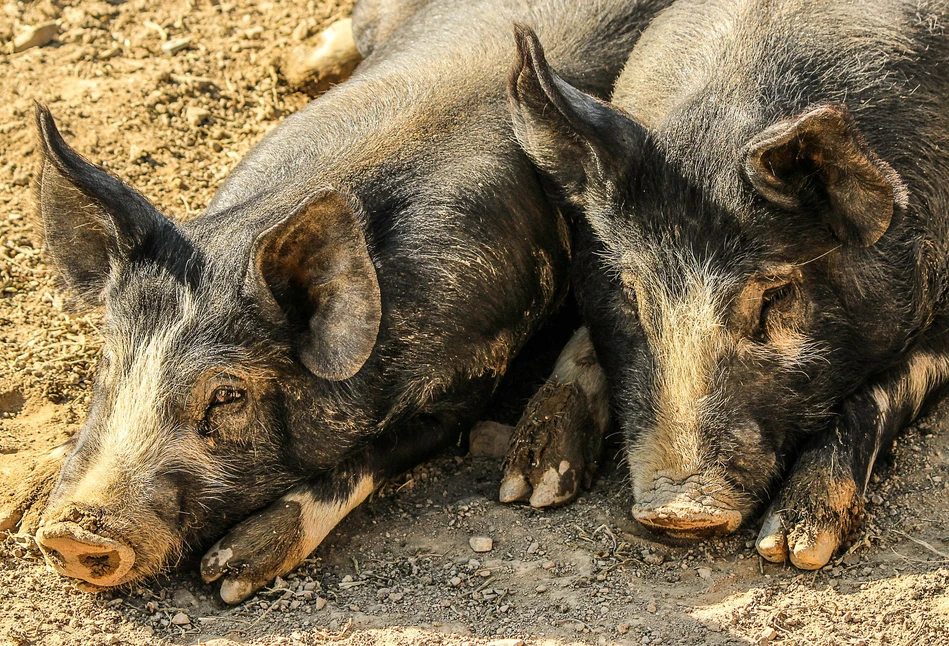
{"x": 400, "y": 569}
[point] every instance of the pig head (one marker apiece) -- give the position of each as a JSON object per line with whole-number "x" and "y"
{"x": 210, "y": 360}
{"x": 730, "y": 325}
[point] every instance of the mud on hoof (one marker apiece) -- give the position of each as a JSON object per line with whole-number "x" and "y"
{"x": 812, "y": 515}
{"x": 255, "y": 552}
{"x": 555, "y": 448}
{"x": 313, "y": 69}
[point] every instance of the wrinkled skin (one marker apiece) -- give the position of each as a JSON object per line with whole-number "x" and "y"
{"x": 761, "y": 259}
{"x": 332, "y": 319}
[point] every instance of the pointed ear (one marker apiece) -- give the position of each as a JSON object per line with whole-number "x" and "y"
{"x": 821, "y": 156}
{"x": 90, "y": 220}
{"x": 313, "y": 270}
{"x": 575, "y": 139}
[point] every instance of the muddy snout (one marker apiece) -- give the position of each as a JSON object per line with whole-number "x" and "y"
{"x": 78, "y": 553}
{"x": 685, "y": 508}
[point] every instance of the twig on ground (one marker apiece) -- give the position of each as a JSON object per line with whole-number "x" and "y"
{"x": 922, "y": 543}
{"x": 560, "y": 622}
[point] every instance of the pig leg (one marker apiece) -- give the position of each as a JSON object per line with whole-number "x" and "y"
{"x": 21, "y": 511}
{"x": 822, "y": 501}
{"x": 275, "y": 541}
{"x": 557, "y": 443}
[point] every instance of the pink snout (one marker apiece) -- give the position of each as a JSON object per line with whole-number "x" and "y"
{"x": 78, "y": 553}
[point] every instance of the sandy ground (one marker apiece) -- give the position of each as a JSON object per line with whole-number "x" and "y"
{"x": 400, "y": 569}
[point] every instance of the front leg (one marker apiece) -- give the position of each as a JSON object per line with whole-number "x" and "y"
{"x": 557, "y": 444}
{"x": 822, "y": 501}
{"x": 275, "y": 541}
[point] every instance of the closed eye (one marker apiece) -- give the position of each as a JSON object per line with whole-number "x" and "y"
{"x": 771, "y": 299}
{"x": 224, "y": 401}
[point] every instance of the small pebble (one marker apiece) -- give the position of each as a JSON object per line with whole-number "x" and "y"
{"x": 301, "y": 32}
{"x": 35, "y": 37}
{"x": 705, "y": 573}
{"x": 480, "y": 543}
{"x": 180, "y": 619}
{"x": 183, "y": 597}
{"x": 651, "y": 607}
{"x": 175, "y": 45}
{"x": 196, "y": 116}
{"x": 320, "y": 603}
{"x": 490, "y": 439}
{"x": 767, "y": 635}
{"x": 541, "y": 589}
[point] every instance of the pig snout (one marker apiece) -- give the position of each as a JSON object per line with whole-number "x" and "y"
{"x": 685, "y": 507}
{"x": 78, "y": 553}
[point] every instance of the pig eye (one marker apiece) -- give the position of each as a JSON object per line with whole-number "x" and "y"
{"x": 225, "y": 396}
{"x": 773, "y": 301}
{"x": 224, "y": 402}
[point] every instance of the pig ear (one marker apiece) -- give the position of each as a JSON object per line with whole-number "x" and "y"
{"x": 574, "y": 138}
{"x": 91, "y": 220}
{"x": 313, "y": 270}
{"x": 821, "y": 155}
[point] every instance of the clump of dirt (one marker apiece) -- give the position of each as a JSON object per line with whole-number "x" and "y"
{"x": 168, "y": 96}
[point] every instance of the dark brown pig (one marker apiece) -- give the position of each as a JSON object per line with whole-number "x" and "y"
{"x": 762, "y": 254}
{"x": 343, "y": 309}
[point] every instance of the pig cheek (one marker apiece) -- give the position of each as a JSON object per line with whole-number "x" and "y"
{"x": 753, "y": 465}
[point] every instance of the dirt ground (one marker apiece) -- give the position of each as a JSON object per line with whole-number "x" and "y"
{"x": 399, "y": 570}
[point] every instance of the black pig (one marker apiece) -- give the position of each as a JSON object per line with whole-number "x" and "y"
{"x": 762, "y": 254}
{"x": 343, "y": 309}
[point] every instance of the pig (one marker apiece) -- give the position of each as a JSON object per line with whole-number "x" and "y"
{"x": 762, "y": 220}
{"x": 342, "y": 310}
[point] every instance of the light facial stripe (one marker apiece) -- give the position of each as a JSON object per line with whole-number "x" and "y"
{"x": 131, "y": 441}
{"x": 689, "y": 341}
